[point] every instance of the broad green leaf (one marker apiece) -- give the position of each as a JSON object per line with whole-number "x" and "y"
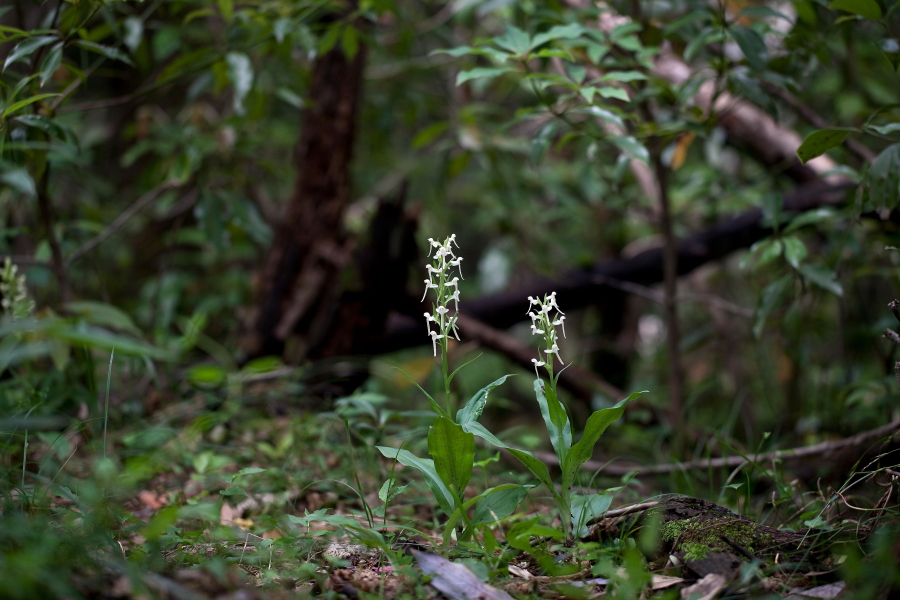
{"x": 537, "y": 468}
{"x": 576, "y": 73}
{"x": 105, "y": 315}
{"x": 51, "y": 63}
{"x": 823, "y": 277}
{"x": 885, "y": 129}
{"x": 630, "y": 43}
{"x": 884, "y": 178}
{"x": 614, "y": 92}
{"x": 248, "y": 471}
{"x": 206, "y": 375}
{"x": 107, "y": 51}
{"x": 625, "y": 29}
{"x": 453, "y": 451}
{"x": 475, "y": 406}
{"x": 710, "y": 35}
{"x": 24, "y": 48}
{"x": 443, "y": 496}
{"x": 606, "y": 115}
{"x": 465, "y": 506}
{"x": 19, "y": 179}
{"x": 105, "y": 340}
{"x": 497, "y": 504}
{"x": 425, "y": 136}
{"x": 555, "y": 419}
{"x": 554, "y": 53}
{"x": 47, "y": 125}
{"x": 868, "y": 9}
{"x": 624, "y": 76}
{"x": 595, "y": 52}
{"x": 764, "y": 252}
{"x": 819, "y": 142}
{"x": 588, "y": 93}
{"x": 160, "y": 522}
{"x": 772, "y": 296}
{"x": 542, "y": 141}
{"x": 752, "y": 45}
{"x": 631, "y": 146}
{"x": 810, "y": 217}
{"x": 794, "y": 251}
{"x": 23, "y": 103}
{"x": 481, "y": 73}
{"x": 593, "y": 429}
{"x": 350, "y": 41}
{"x": 520, "y": 535}
{"x": 587, "y": 508}
{"x": 570, "y": 31}
{"x": 240, "y": 71}
{"x": 515, "y": 40}
{"x": 390, "y": 490}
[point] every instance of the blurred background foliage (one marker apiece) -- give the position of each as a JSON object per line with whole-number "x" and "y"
{"x": 147, "y": 154}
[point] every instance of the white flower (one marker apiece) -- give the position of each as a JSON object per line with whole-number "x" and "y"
{"x": 535, "y": 330}
{"x": 441, "y": 311}
{"x": 428, "y": 286}
{"x": 559, "y": 323}
{"x": 429, "y": 320}
{"x": 554, "y": 350}
{"x": 455, "y": 263}
{"x": 537, "y": 363}
{"x": 553, "y": 302}
{"x": 435, "y": 336}
{"x": 455, "y": 297}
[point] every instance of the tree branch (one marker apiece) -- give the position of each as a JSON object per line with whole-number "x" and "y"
{"x": 890, "y": 430}
{"x": 580, "y": 288}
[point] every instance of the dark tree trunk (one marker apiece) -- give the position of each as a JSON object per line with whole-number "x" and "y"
{"x": 297, "y": 285}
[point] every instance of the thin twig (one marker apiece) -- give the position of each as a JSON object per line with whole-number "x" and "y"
{"x": 576, "y": 380}
{"x": 123, "y": 218}
{"x": 658, "y": 297}
{"x": 892, "y": 429}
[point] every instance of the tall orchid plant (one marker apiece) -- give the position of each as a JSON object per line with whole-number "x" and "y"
{"x": 451, "y": 439}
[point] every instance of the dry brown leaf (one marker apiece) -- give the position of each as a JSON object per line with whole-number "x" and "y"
{"x": 705, "y": 589}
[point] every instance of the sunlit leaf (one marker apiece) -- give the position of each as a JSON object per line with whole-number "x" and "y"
{"x": 107, "y": 51}
{"x": 570, "y": 31}
{"x": 481, "y": 73}
{"x": 24, "y": 49}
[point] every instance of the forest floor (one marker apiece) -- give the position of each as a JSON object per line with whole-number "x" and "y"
{"x": 199, "y": 501}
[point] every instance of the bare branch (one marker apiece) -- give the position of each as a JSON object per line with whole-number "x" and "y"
{"x": 891, "y": 430}
{"x": 123, "y": 218}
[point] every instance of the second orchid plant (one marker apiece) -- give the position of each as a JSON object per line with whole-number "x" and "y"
{"x": 451, "y": 439}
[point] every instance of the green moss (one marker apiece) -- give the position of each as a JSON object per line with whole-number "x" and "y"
{"x": 698, "y": 537}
